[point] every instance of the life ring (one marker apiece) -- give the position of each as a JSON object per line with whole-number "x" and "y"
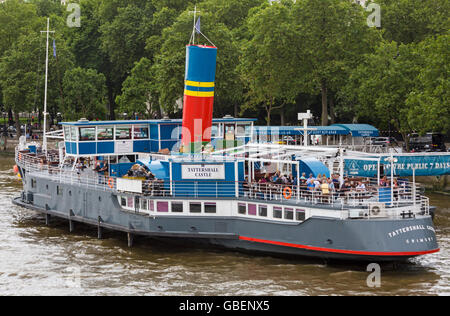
{"x": 111, "y": 183}
{"x": 287, "y": 193}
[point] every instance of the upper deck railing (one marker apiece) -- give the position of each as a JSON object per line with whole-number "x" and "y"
{"x": 340, "y": 199}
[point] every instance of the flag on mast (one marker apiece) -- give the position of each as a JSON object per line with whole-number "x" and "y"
{"x": 197, "y": 26}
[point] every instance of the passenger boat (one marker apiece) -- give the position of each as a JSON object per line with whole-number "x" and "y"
{"x": 155, "y": 178}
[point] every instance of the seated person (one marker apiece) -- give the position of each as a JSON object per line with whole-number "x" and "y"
{"x": 361, "y": 186}
{"x": 325, "y": 187}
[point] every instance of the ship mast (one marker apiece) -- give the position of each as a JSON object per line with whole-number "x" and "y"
{"x": 194, "y": 28}
{"x": 44, "y": 144}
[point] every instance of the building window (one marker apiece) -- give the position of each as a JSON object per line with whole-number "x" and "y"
{"x": 177, "y": 207}
{"x": 195, "y": 207}
{"x": 123, "y": 133}
{"x": 87, "y": 134}
{"x": 242, "y": 208}
{"x": 300, "y": 215}
{"x": 105, "y": 133}
{"x": 252, "y": 209}
{"x": 210, "y": 208}
{"x": 263, "y": 210}
{"x": 277, "y": 212}
{"x": 288, "y": 213}
{"x": 140, "y": 132}
{"x": 162, "y": 207}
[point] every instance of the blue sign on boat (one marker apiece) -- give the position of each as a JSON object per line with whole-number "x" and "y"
{"x": 426, "y": 165}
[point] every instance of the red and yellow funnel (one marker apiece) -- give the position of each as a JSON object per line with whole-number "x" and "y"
{"x": 198, "y": 94}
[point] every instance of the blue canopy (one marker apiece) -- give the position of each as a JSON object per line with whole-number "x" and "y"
{"x": 158, "y": 168}
{"x": 313, "y": 166}
{"x": 359, "y": 130}
{"x": 297, "y": 130}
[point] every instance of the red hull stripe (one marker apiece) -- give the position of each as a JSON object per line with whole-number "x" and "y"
{"x": 350, "y": 252}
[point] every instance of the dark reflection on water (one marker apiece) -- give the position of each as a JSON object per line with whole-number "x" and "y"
{"x": 40, "y": 260}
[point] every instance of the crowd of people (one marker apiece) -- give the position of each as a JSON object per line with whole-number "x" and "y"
{"x": 334, "y": 185}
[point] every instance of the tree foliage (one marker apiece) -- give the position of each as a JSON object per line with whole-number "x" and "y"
{"x": 273, "y": 59}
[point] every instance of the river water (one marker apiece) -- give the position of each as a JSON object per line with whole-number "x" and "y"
{"x": 36, "y": 259}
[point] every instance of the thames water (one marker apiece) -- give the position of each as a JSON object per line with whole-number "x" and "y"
{"x": 36, "y": 259}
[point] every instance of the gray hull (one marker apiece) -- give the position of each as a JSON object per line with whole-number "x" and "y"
{"x": 322, "y": 237}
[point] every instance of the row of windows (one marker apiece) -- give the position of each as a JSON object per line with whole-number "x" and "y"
{"x": 261, "y": 210}
{"x": 278, "y": 212}
{"x": 84, "y": 134}
{"x": 166, "y": 207}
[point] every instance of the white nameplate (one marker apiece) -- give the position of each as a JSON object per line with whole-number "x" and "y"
{"x": 124, "y": 146}
{"x": 129, "y": 185}
{"x": 203, "y": 172}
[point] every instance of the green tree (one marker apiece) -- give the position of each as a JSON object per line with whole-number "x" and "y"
{"x": 411, "y": 21}
{"x": 138, "y": 91}
{"x": 16, "y": 18}
{"x": 383, "y": 83}
{"x": 85, "y": 92}
{"x": 18, "y": 76}
{"x": 331, "y": 39}
{"x": 267, "y": 64}
{"x": 429, "y": 101}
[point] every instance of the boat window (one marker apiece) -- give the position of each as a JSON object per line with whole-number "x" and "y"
{"x": 277, "y": 212}
{"x": 144, "y": 205}
{"x": 73, "y": 133}
{"x": 263, "y": 210}
{"x": 67, "y": 132}
{"x": 300, "y": 215}
{"x": 195, "y": 207}
{"x": 123, "y": 132}
{"x": 33, "y": 183}
{"x": 130, "y": 202}
{"x": 214, "y": 130}
{"x": 123, "y": 201}
{"x": 140, "y": 132}
{"x": 210, "y": 207}
{"x": 59, "y": 190}
{"x": 162, "y": 206}
{"x": 151, "y": 206}
{"x": 242, "y": 208}
{"x": 177, "y": 207}
{"x": 87, "y": 134}
{"x": 252, "y": 209}
{"x": 105, "y": 133}
{"x": 288, "y": 213}
{"x": 240, "y": 130}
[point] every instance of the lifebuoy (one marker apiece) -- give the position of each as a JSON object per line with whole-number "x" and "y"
{"x": 287, "y": 193}
{"x": 111, "y": 183}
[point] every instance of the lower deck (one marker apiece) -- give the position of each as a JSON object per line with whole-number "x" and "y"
{"x": 237, "y": 223}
